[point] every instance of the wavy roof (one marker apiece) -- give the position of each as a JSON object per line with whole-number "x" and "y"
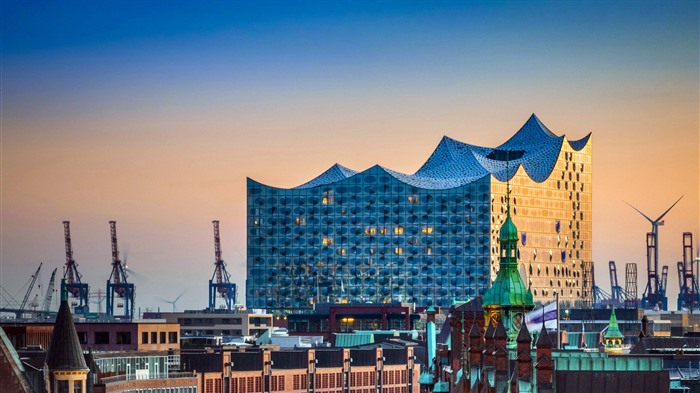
{"x": 455, "y": 163}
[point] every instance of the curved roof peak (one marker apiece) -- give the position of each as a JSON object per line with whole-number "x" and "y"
{"x": 454, "y": 163}
{"x": 333, "y": 174}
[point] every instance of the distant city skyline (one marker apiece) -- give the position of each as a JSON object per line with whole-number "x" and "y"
{"x": 153, "y": 115}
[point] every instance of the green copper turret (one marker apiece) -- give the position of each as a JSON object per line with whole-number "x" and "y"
{"x": 508, "y": 298}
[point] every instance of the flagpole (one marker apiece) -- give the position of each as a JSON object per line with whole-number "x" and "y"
{"x": 558, "y": 330}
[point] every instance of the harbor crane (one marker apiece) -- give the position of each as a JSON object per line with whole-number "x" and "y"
{"x": 616, "y": 292}
{"x": 20, "y": 310}
{"x": 653, "y": 295}
{"x": 49, "y": 292}
{"x": 220, "y": 283}
{"x": 689, "y": 295}
{"x": 118, "y": 286}
{"x": 74, "y": 285}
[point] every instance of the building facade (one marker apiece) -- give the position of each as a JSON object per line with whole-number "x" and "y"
{"x": 217, "y": 322}
{"x": 383, "y": 236}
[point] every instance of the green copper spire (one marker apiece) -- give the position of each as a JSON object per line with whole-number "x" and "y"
{"x": 613, "y": 329}
{"x": 508, "y": 288}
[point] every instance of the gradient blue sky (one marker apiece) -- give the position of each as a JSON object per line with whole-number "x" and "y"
{"x": 154, "y": 113}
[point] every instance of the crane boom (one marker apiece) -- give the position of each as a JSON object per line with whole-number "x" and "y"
{"x": 664, "y": 280}
{"x": 49, "y": 291}
{"x": 29, "y": 290}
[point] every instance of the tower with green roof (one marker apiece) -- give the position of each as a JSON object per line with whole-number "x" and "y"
{"x": 613, "y": 337}
{"x": 508, "y": 299}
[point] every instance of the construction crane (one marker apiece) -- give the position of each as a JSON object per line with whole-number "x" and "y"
{"x": 652, "y": 297}
{"x": 223, "y": 285}
{"x": 615, "y": 289}
{"x": 117, "y": 285}
{"x": 689, "y": 295}
{"x": 49, "y": 292}
{"x": 74, "y": 285}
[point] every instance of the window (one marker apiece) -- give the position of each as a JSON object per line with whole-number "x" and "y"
{"x": 413, "y": 199}
{"x": 429, "y": 250}
{"x": 382, "y": 231}
{"x": 154, "y": 337}
{"x": 427, "y": 230}
{"x": 144, "y": 337}
{"x": 327, "y": 241}
{"x": 327, "y": 198}
{"x": 162, "y": 337}
{"x": 62, "y": 386}
{"x": 300, "y": 221}
{"x": 123, "y": 337}
{"x": 83, "y": 337}
{"x": 398, "y": 251}
{"x": 398, "y": 230}
{"x": 172, "y": 337}
{"x": 370, "y": 231}
{"x": 101, "y": 337}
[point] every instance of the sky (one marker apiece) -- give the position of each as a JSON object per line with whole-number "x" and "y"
{"x": 154, "y": 113}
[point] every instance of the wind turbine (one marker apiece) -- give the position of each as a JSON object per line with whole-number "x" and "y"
{"x": 652, "y": 291}
{"x": 173, "y": 301}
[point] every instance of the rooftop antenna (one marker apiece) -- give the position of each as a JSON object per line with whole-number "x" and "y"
{"x": 652, "y": 293}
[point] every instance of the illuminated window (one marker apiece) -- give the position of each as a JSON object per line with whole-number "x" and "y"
{"x": 370, "y": 231}
{"x": 427, "y": 230}
{"x": 398, "y": 251}
{"x": 327, "y": 198}
{"x": 341, "y": 251}
{"x": 256, "y": 221}
{"x": 382, "y": 231}
{"x": 300, "y": 221}
{"x": 398, "y": 230}
{"x": 413, "y": 199}
{"x": 429, "y": 250}
{"x": 327, "y": 241}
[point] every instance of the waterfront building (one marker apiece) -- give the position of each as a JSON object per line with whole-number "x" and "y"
{"x": 369, "y": 368}
{"x": 382, "y": 236}
{"x": 219, "y": 322}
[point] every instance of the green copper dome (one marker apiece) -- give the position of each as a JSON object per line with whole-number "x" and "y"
{"x": 508, "y": 230}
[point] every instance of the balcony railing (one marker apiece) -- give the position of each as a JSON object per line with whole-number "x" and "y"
{"x": 132, "y": 377}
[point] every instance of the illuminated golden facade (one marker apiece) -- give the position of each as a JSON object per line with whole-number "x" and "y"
{"x": 555, "y": 221}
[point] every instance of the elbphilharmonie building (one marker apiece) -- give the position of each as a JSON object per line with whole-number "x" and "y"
{"x": 428, "y": 237}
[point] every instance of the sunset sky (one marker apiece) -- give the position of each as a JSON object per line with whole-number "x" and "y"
{"x": 154, "y": 113}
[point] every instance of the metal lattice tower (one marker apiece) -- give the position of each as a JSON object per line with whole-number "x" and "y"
{"x": 118, "y": 286}
{"x": 631, "y": 300}
{"x": 220, "y": 283}
{"x": 75, "y": 287}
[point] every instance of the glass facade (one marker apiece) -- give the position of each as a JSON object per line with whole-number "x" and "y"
{"x": 369, "y": 238}
{"x": 382, "y": 236}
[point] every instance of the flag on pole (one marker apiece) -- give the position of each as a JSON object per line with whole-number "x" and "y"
{"x": 548, "y": 313}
